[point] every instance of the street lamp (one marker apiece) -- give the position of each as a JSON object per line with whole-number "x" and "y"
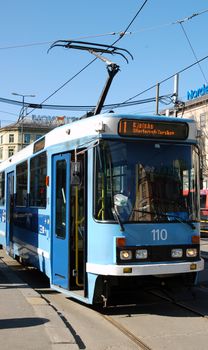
{"x": 21, "y": 114}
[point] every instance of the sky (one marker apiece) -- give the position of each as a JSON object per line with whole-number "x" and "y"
{"x": 160, "y": 48}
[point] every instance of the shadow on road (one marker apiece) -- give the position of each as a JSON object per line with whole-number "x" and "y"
{"x": 22, "y": 322}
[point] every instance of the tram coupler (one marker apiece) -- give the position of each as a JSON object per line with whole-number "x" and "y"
{"x": 106, "y": 294}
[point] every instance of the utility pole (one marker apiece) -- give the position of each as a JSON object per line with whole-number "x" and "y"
{"x": 157, "y": 97}
{"x": 22, "y": 113}
{"x": 175, "y": 98}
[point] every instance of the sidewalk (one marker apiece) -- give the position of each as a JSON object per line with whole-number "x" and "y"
{"x": 27, "y": 321}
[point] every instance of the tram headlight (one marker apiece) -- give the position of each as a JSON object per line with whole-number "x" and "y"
{"x": 177, "y": 253}
{"x": 191, "y": 252}
{"x": 125, "y": 254}
{"x": 141, "y": 254}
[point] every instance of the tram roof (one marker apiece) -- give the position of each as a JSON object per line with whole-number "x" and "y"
{"x": 88, "y": 129}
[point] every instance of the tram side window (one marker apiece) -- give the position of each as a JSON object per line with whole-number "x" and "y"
{"x": 61, "y": 198}
{"x": 21, "y": 184}
{"x": 2, "y": 188}
{"x": 38, "y": 171}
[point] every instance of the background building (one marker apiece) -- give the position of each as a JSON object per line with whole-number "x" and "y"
{"x": 16, "y": 136}
{"x": 197, "y": 109}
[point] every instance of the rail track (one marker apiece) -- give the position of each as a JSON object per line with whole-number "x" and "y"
{"x": 162, "y": 295}
{"x": 179, "y": 303}
{"x": 159, "y": 296}
{"x": 130, "y": 335}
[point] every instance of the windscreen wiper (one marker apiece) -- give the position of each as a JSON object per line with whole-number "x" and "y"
{"x": 180, "y": 220}
{"x": 176, "y": 217}
{"x": 118, "y": 219}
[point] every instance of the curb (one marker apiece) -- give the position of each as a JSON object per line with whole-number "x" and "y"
{"x": 59, "y": 335}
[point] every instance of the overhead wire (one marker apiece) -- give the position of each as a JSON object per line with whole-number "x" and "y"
{"x": 51, "y": 42}
{"x": 190, "y": 17}
{"x": 197, "y": 61}
{"x": 126, "y": 103}
{"x": 129, "y": 25}
{"x": 193, "y": 51}
{"x": 92, "y": 61}
{"x": 108, "y": 33}
{"x": 164, "y": 98}
{"x": 164, "y": 80}
{"x": 121, "y": 34}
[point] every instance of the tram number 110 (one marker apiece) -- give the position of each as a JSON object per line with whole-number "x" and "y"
{"x": 159, "y": 235}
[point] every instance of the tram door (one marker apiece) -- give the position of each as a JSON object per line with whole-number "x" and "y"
{"x": 61, "y": 219}
{"x": 9, "y": 209}
{"x": 78, "y": 222}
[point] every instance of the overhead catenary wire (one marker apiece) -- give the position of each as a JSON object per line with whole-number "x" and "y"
{"x": 129, "y": 25}
{"x": 84, "y": 107}
{"x": 126, "y": 103}
{"x": 197, "y": 61}
{"x": 165, "y": 79}
{"x": 86, "y": 66}
{"x": 92, "y": 61}
{"x": 190, "y": 17}
{"x": 120, "y": 33}
{"x": 8, "y": 47}
{"x": 193, "y": 51}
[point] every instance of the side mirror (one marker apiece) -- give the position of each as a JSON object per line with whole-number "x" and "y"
{"x": 120, "y": 200}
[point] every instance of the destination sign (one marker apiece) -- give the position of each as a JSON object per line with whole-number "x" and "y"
{"x": 153, "y": 129}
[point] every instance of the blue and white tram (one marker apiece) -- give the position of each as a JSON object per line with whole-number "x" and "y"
{"x": 105, "y": 203}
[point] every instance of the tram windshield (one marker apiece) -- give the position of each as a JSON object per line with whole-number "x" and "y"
{"x": 146, "y": 182}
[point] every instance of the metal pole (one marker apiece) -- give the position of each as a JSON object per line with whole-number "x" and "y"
{"x": 22, "y": 117}
{"x": 176, "y": 83}
{"x": 157, "y": 97}
{"x": 22, "y": 114}
{"x": 23, "y": 105}
{"x": 112, "y": 71}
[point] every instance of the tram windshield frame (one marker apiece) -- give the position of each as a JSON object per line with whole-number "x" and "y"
{"x": 204, "y": 204}
{"x": 146, "y": 182}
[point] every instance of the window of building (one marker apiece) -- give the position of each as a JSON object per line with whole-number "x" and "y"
{"x": 10, "y": 152}
{"x": 38, "y": 171}
{"x": 27, "y": 138}
{"x": 144, "y": 190}
{"x": 11, "y": 138}
{"x": 38, "y": 136}
{"x": 203, "y": 120}
{"x": 1, "y": 152}
{"x": 2, "y": 188}
{"x": 21, "y": 184}
{"x": 1, "y": 139}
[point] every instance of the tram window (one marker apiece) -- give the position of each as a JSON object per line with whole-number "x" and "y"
{"x": 38, "y": 172}
{"x": 21, "y": 184}
{"x": 2, "y": 188}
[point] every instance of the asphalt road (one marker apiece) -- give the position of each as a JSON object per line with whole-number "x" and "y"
{"x": 157, "y": 322}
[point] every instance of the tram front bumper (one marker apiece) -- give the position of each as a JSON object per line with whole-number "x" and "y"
{"x": 145, "y": 269}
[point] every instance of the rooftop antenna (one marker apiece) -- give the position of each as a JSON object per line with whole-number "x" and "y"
{"x": 98, "y": 50}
